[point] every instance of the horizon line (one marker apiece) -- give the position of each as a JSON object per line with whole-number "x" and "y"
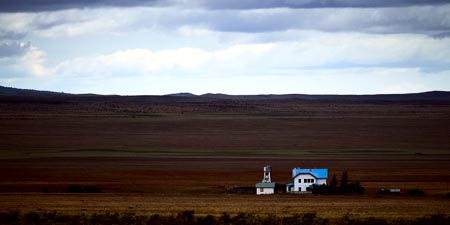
{"x": 187, "y": 93}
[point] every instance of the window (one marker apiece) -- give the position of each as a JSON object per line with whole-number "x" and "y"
{"x": 300, "y": 180}
{"x": 299, "y": 189}
{"x": 308, "y": 180}
{"x": 261, "y": 190}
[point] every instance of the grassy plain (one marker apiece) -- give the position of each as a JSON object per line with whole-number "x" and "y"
{"x": 159, "y": 155}
{"x": 216, "y": 204}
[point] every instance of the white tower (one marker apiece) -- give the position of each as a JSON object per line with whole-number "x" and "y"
{"x": 267, "y": 170}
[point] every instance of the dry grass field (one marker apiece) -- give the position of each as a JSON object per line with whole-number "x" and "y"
{"x": 216, "y": 204}
{"x": 153, "y": 155}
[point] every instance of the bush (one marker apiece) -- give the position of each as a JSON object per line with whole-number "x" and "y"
{"x": 11, "y": 217}
{"x": 83, "y": 189}
{"x": 92, "y": 189}
{"x": 74, "y": 189}
{"x": 345, "y": 187}
{"x": 415, "y": 192}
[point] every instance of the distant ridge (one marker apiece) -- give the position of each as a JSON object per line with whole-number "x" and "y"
{"x": 18, "y": 91}
{"x": 182, "y": 94}
{"x": 431, "y": 95}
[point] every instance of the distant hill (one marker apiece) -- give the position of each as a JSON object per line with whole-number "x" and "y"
{"x": 424, "y": 96}
{"x": 432, "y": 95}
{"x": 18, "y": 91}
{"x": 182, "y": 94}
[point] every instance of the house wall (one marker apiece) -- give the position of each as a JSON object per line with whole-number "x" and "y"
{"x": 289, "y": 189}
{"x": 301, "y": 186}
{"x": 265, "y": 191}
{"x": 321, "y": 181}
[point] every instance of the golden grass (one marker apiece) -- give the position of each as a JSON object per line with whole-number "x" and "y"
{"x": 216, "y": 204}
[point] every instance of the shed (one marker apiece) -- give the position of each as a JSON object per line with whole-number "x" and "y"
{"x": 265, "y": 188}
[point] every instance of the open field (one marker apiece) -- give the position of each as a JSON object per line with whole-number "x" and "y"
{"x": 214, "y": 204}
{"x": 154, "y": 155}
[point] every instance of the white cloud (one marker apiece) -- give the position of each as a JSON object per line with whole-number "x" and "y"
{"x": 144, "y": 61}
{"x": 237, "y": 50}
{"x": 355, "y": 49}
{"x": 148, "y": 61}
{"x": 314, "y": 49}
{"x": 33, "y": 62}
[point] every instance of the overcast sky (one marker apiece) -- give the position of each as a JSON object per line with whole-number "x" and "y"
{"x": 226, "y": 46}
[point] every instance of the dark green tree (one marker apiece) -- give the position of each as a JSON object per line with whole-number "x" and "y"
{"x": 334, "y": 182}
{"x": 333, "y": 187}
{"x": 344, "y": 182}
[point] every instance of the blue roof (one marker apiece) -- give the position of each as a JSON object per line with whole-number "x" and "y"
{"x": 290, "y": 184}
{"x": 321, "y": 173}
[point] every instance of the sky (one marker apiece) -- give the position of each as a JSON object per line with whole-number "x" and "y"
{"x": 160, "y": 47}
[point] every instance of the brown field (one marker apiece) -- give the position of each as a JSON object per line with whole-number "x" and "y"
{"x": 161, "y": 156}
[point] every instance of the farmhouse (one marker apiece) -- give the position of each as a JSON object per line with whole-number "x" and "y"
{"x": 266, "y": 186}
{"x": 304, "y": 179}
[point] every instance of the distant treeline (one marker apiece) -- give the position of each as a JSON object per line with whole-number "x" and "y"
{"x": 342, "y": 187}
{"x": 188, "y": 218}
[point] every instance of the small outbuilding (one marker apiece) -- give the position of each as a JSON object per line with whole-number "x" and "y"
{"x": 266, "y": 186}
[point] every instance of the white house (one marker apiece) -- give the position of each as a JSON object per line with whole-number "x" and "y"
{"x": 304, "y": 179}
{"x": 266, "y": 186}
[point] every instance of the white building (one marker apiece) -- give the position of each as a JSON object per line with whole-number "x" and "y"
{"x": 266, "y": 186}
{"x": 304, "y": 179}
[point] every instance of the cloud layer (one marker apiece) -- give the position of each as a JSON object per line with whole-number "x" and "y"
{"x": 53, "y": 5}
{"x": 430, "y": 20}
{"x": 315, "y": 44}
{"x": 259, "y": 4}
{"x": 315, "y": 50}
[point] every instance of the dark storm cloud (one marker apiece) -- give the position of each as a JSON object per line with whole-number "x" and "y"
{"x": 52, "y": 5}
{"x": 429, "y": 19}
{"x": 425, "y": 20}
{"x": 260, "y": 4}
